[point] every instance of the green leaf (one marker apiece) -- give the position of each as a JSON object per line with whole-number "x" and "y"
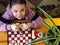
{"x": 50, "y": 43}
{"x": 46, "y": 23}
{"x": 41, "y": 39}
{"x": 52, "y": 28}
{"x": 49, "y": 17}
{"x": 57, "y": 41}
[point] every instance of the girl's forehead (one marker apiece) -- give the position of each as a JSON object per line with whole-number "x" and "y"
{"x": 19, "y": 6}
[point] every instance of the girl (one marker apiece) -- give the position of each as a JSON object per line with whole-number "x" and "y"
{"x": 17, "y": 9}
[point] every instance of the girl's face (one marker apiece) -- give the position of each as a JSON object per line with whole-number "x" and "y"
{"x": 18, "y": 10}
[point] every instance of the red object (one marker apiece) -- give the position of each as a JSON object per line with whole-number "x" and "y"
{"x": 36, "y": 34}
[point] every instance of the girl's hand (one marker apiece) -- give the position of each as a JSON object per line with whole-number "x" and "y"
{"x": 25, "y": 26}
{"x": 15, "y": 27}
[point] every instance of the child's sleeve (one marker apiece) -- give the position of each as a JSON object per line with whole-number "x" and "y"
{"x": 8, "y": 14}
{"x": 36, "y": 34}
{"x": 36, "y": 19}
{"x": 4, "y": 26}
{"x": 3, "y": 19}
{"x": 37, "y": 23}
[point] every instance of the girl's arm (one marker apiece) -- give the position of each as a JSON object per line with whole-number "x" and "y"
{"x": 3, "y": 20}
{"x": 36, "y": 19}
{"x": 37, "y": 23}
{"x": 8, "y": 14}
{"x": 4, "y": 26}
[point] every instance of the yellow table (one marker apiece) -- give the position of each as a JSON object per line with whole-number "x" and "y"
{"x": 3, "y": 39}
{"x": 3, "y": 35}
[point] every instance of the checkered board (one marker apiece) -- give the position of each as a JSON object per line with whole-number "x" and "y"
{"x": 21, "y": 37}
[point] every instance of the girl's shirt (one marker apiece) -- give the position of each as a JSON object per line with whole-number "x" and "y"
{"x": 8, "y": 15}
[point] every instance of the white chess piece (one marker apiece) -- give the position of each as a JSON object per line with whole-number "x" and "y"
{"x": 10, "y": 44}
{"x": 14, "y": 27}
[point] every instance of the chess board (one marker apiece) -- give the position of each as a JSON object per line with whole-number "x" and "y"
{"x": 21, "y": 37}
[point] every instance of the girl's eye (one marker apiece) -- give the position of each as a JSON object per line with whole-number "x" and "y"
{"x": 22, "y": 10}
{"x": 15, "y": 10}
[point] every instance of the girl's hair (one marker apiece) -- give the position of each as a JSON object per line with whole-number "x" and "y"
{"x": 13, "y": 2}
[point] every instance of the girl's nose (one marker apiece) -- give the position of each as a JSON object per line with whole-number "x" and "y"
{"x": 19, "y": 13}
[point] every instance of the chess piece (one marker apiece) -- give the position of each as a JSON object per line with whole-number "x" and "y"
{"x": 11, "y": 44}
